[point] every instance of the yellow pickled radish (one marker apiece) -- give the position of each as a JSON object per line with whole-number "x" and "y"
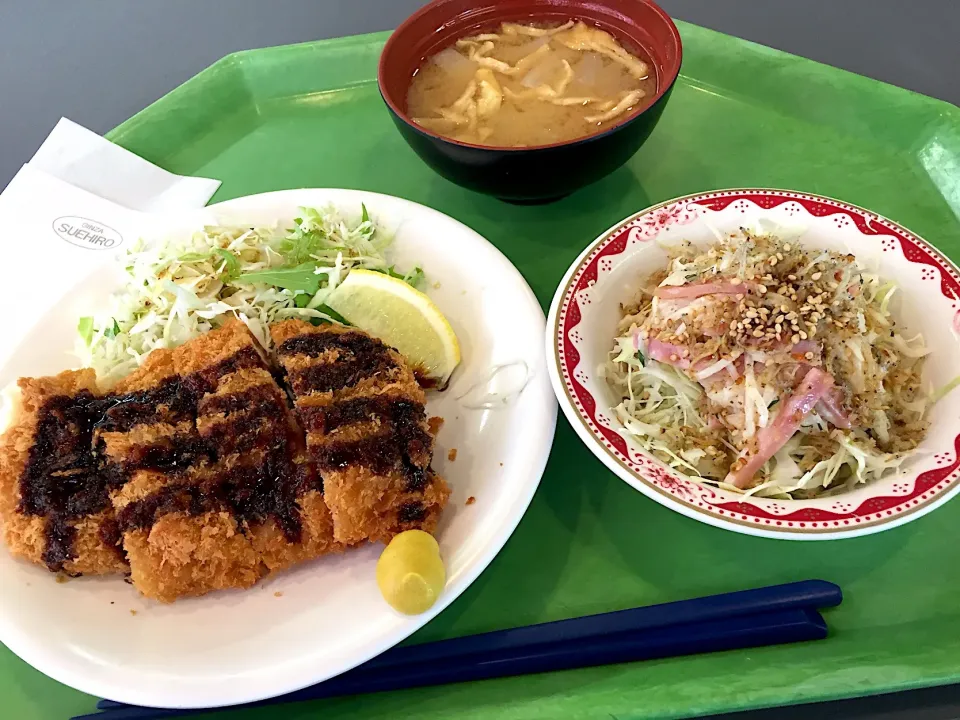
{"x": 410, "y": 572}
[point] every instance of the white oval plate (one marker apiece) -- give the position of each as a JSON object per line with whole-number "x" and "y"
{"x": 321, "y": 619}
{"x": 586, "y": 308}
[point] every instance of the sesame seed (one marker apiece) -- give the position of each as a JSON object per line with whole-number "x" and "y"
{"x": 674, "y": 358}
{"x": 803, "y": 335}
{"x": 784, "y": 309}
{"x": 758, "y": 333}
{"x": 791, "y": 277}
{"x": 761, "y": 289}
{"x": 816, "y": 276}
{"x": 787, "y": 247}
{"x": 809, "y": 356}
{"x": 772, "y": 260}
{"x": 795, "y": 339}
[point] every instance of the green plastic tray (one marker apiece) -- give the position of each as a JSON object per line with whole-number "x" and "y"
{"x": 741, "y": 115}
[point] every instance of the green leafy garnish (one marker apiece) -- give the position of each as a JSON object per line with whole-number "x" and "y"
{"x": 641, "y": 358}
{"x": 231, "y": 265}
{"x": 306, "y": 240}
{"x": 775, "y": 401}
{"x": 85, "y": 328}
{"x": 415, "y": 277}
{"x": 193, "y": 257}
{"x": 302, "y": 300}
{"x": 412, "y": 278}
{"x": 112, "y": 332}
{"x": 327, "y": 310}
{"x": 302, "y": 277}
{"x": 364, "y": 216}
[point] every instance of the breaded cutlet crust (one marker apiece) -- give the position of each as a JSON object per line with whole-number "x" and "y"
{"x": 217, "y": 492}
{"x": 208, "y": 480}
{"x": 249, "y": 410}
{"x": 182, "y": 555}
{"x": 176, "y": 553}
{"x": 366, "y": 429}
{"x": 32, "y": 525}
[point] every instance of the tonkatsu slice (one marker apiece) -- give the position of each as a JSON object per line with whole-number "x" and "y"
{"x": 152, "y": 457}
{"x": 366, "y": 430}
{"x": 54, "y": 504}
{"x": 214, "y": 492}
{"x": 262, "y": 465}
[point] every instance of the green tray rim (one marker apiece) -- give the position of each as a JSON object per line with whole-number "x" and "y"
{"x": 130, "y": 131}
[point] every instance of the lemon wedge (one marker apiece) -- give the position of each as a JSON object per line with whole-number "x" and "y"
{"x": 410, "y": 572}
{"x": 401, "y": 316}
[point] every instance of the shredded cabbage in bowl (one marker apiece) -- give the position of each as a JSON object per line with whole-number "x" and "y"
{"x": 179, "y": 290}
{"x": 763, "y": 368}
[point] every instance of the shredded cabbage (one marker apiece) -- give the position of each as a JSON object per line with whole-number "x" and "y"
{"x": 714, "y": 384}
{"x": 179, "y": 290}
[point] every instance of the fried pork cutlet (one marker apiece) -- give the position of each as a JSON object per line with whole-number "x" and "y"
{"x": 214, "y": 490}
{"x": 366, "y": 429}
{"x": 53, "y": 501}
{"x": 194, "y": 475}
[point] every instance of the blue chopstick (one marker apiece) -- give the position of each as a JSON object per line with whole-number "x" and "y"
{"x": 750, "y": 618}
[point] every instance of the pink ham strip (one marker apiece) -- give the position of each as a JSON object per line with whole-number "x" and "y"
{"x": 695, "y": 290}
{"x": 815, "y": 385}
{"x": 667, "y": 353}
{"x": 804, "y": 346}
{"x": 831, "y": 410}
{"x": 831, "y": 406}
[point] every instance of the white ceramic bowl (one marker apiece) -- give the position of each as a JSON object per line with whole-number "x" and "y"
{"x": 585, "y": 311}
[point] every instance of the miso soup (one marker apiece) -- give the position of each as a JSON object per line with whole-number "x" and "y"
{"x": 530, "y": 85}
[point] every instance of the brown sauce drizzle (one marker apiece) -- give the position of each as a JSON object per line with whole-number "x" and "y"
{"x": 248, "y": 458}
{"x": 253, "y": 493}
{"x": 67, "y": 477}
{"x": 360, "y": 356}
{"x": 341, "y": 374}
{"x": 411, "y": 512}
{"x": 251, "y": 471}
{"x": 110, "y": 536}
{"x": 324, "y": 419}
{"x": 394, "y": 450}
{"x": 60, "y": 480}
{"x": 255, "y": 399}
{"x": 314, "y": 344}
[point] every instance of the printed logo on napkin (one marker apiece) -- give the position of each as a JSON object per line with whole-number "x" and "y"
{"x": 63, "y": 251}
{"x": 86, "y": 233}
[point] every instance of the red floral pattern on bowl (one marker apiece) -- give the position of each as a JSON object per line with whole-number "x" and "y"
{"x": 585, "y": 310}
